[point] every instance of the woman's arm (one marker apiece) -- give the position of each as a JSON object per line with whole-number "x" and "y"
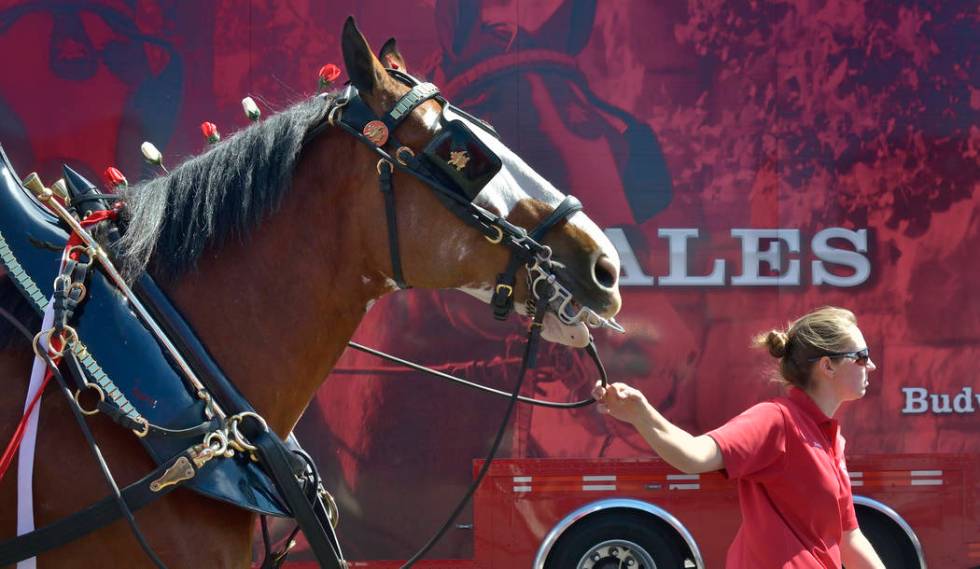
{"x": 857, "y": 553}
{"x": 679, "y": 448}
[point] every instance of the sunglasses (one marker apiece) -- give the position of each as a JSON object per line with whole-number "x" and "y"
{"x": 860, "y": 357}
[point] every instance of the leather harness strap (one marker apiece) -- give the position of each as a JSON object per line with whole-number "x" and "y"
{"x": 96, "y": 516}
{"x": 388, "y": 191}
{"x": 312, "y": 517}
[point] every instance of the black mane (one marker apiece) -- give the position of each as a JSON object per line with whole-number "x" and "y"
{"x": 220, "y": 194}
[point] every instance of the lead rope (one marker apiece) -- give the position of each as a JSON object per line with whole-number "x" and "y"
{"x": 530, "y": 356}
{"x": 590, "y": 349}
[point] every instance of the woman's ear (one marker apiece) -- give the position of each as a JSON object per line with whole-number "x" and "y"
{"x": 827, "y": 365}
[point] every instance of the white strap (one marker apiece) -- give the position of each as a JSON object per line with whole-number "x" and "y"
{"x": 25, "y": 456}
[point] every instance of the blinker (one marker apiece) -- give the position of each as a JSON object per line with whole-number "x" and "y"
{"x": 459, "y": 156}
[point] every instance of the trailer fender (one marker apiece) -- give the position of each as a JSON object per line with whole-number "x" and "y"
{"x": 609, "y": 504}
{"x": 897, "y": 520}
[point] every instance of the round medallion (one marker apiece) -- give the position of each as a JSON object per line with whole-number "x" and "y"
{"x": 376, "y": 132}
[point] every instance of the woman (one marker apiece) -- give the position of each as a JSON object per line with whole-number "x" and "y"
{"x": 787, "y": 454}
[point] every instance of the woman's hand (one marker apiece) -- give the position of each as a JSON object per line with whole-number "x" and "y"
{"x": 622, "y": 402}
{"x": 679, "y": 448}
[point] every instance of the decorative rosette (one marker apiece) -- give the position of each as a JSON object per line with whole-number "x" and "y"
{"x": 210, "y": 132}
{"x": 327, "y": 75}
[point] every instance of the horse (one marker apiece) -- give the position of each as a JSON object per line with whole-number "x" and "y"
{"x": 269, "y": 246}
{"x": 542, "y": 103}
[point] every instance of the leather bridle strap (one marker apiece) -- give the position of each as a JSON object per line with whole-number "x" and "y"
{"x": 406, "y": 104}
{"x": 388, "y": 191}
{"x": 502, "y": 300}
{"x": 312, "y": 519}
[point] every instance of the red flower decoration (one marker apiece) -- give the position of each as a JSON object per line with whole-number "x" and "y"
{"x": 210, "y": 132}
{"x": 328, "y": 74}
{"x": 114, "y": 178}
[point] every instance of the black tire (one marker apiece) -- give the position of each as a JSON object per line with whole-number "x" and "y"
{"x": 634, "y": 536}
{"x": 891, "y": 543}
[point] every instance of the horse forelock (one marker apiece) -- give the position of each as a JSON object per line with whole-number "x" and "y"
{"x": 220, "y": 194}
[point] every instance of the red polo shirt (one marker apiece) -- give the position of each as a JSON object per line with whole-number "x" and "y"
{"x": 793, "y": 488}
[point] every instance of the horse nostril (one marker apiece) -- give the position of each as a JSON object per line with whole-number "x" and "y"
{"x": 606, "y": 272}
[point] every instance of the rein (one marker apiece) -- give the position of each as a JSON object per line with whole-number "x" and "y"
{"x": 590, "y": 349}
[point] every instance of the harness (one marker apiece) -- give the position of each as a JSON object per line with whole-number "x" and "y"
{"x": 456, "y": 164}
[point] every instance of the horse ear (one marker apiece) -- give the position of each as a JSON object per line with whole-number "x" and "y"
{"x": 363, "y": 68}
{"x": 390, "y": 57}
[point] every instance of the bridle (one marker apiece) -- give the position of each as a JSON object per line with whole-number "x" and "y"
{"x": 439, "y": 167}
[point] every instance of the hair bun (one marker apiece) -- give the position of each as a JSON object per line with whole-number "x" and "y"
{"x": 777, "y": 342}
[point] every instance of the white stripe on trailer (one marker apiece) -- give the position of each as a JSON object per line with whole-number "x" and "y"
{"x": 522, "y": 488}
{"x": 857, "y": 482}
{"x": 522, "y": 479}
{"x": 602, "y": 478}
{"x": 598, "y": 487}
{"x": 924, "y": 482}
{"x": 684, "y": 487}
{"x": 856, "y": 474}
{"x": 683, "y": 477}
{"x": 926, "y": 472}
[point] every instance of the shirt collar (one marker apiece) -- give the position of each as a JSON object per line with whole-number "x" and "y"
{"x": 809, "y": 406}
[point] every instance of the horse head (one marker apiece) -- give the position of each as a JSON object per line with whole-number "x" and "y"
{"x": 439, "y": 250}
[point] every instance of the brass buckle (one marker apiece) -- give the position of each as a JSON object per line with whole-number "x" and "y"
{"x": 398, "y": 154}
{"x": 101, "y": 399}
{"x": 237, "y": 436}
{"x": 82, "y": 250}
{"x": 67, "y": 338}
{"x": 380, "y": 161}
{"x": 145, "y": 427}
{"x": 507, "y": 287}
{"x": 498, "y": 238}
{"x": 333, "y": 513}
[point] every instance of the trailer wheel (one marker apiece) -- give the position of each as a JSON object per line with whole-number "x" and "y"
{"x": 617, "y": 542}
{"x": 891, "y": 544}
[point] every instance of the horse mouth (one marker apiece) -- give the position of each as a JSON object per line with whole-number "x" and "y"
{"x": 573, "y": 335}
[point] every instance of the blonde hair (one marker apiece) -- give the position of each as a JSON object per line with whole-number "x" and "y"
{"x": 824, "y": 330}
